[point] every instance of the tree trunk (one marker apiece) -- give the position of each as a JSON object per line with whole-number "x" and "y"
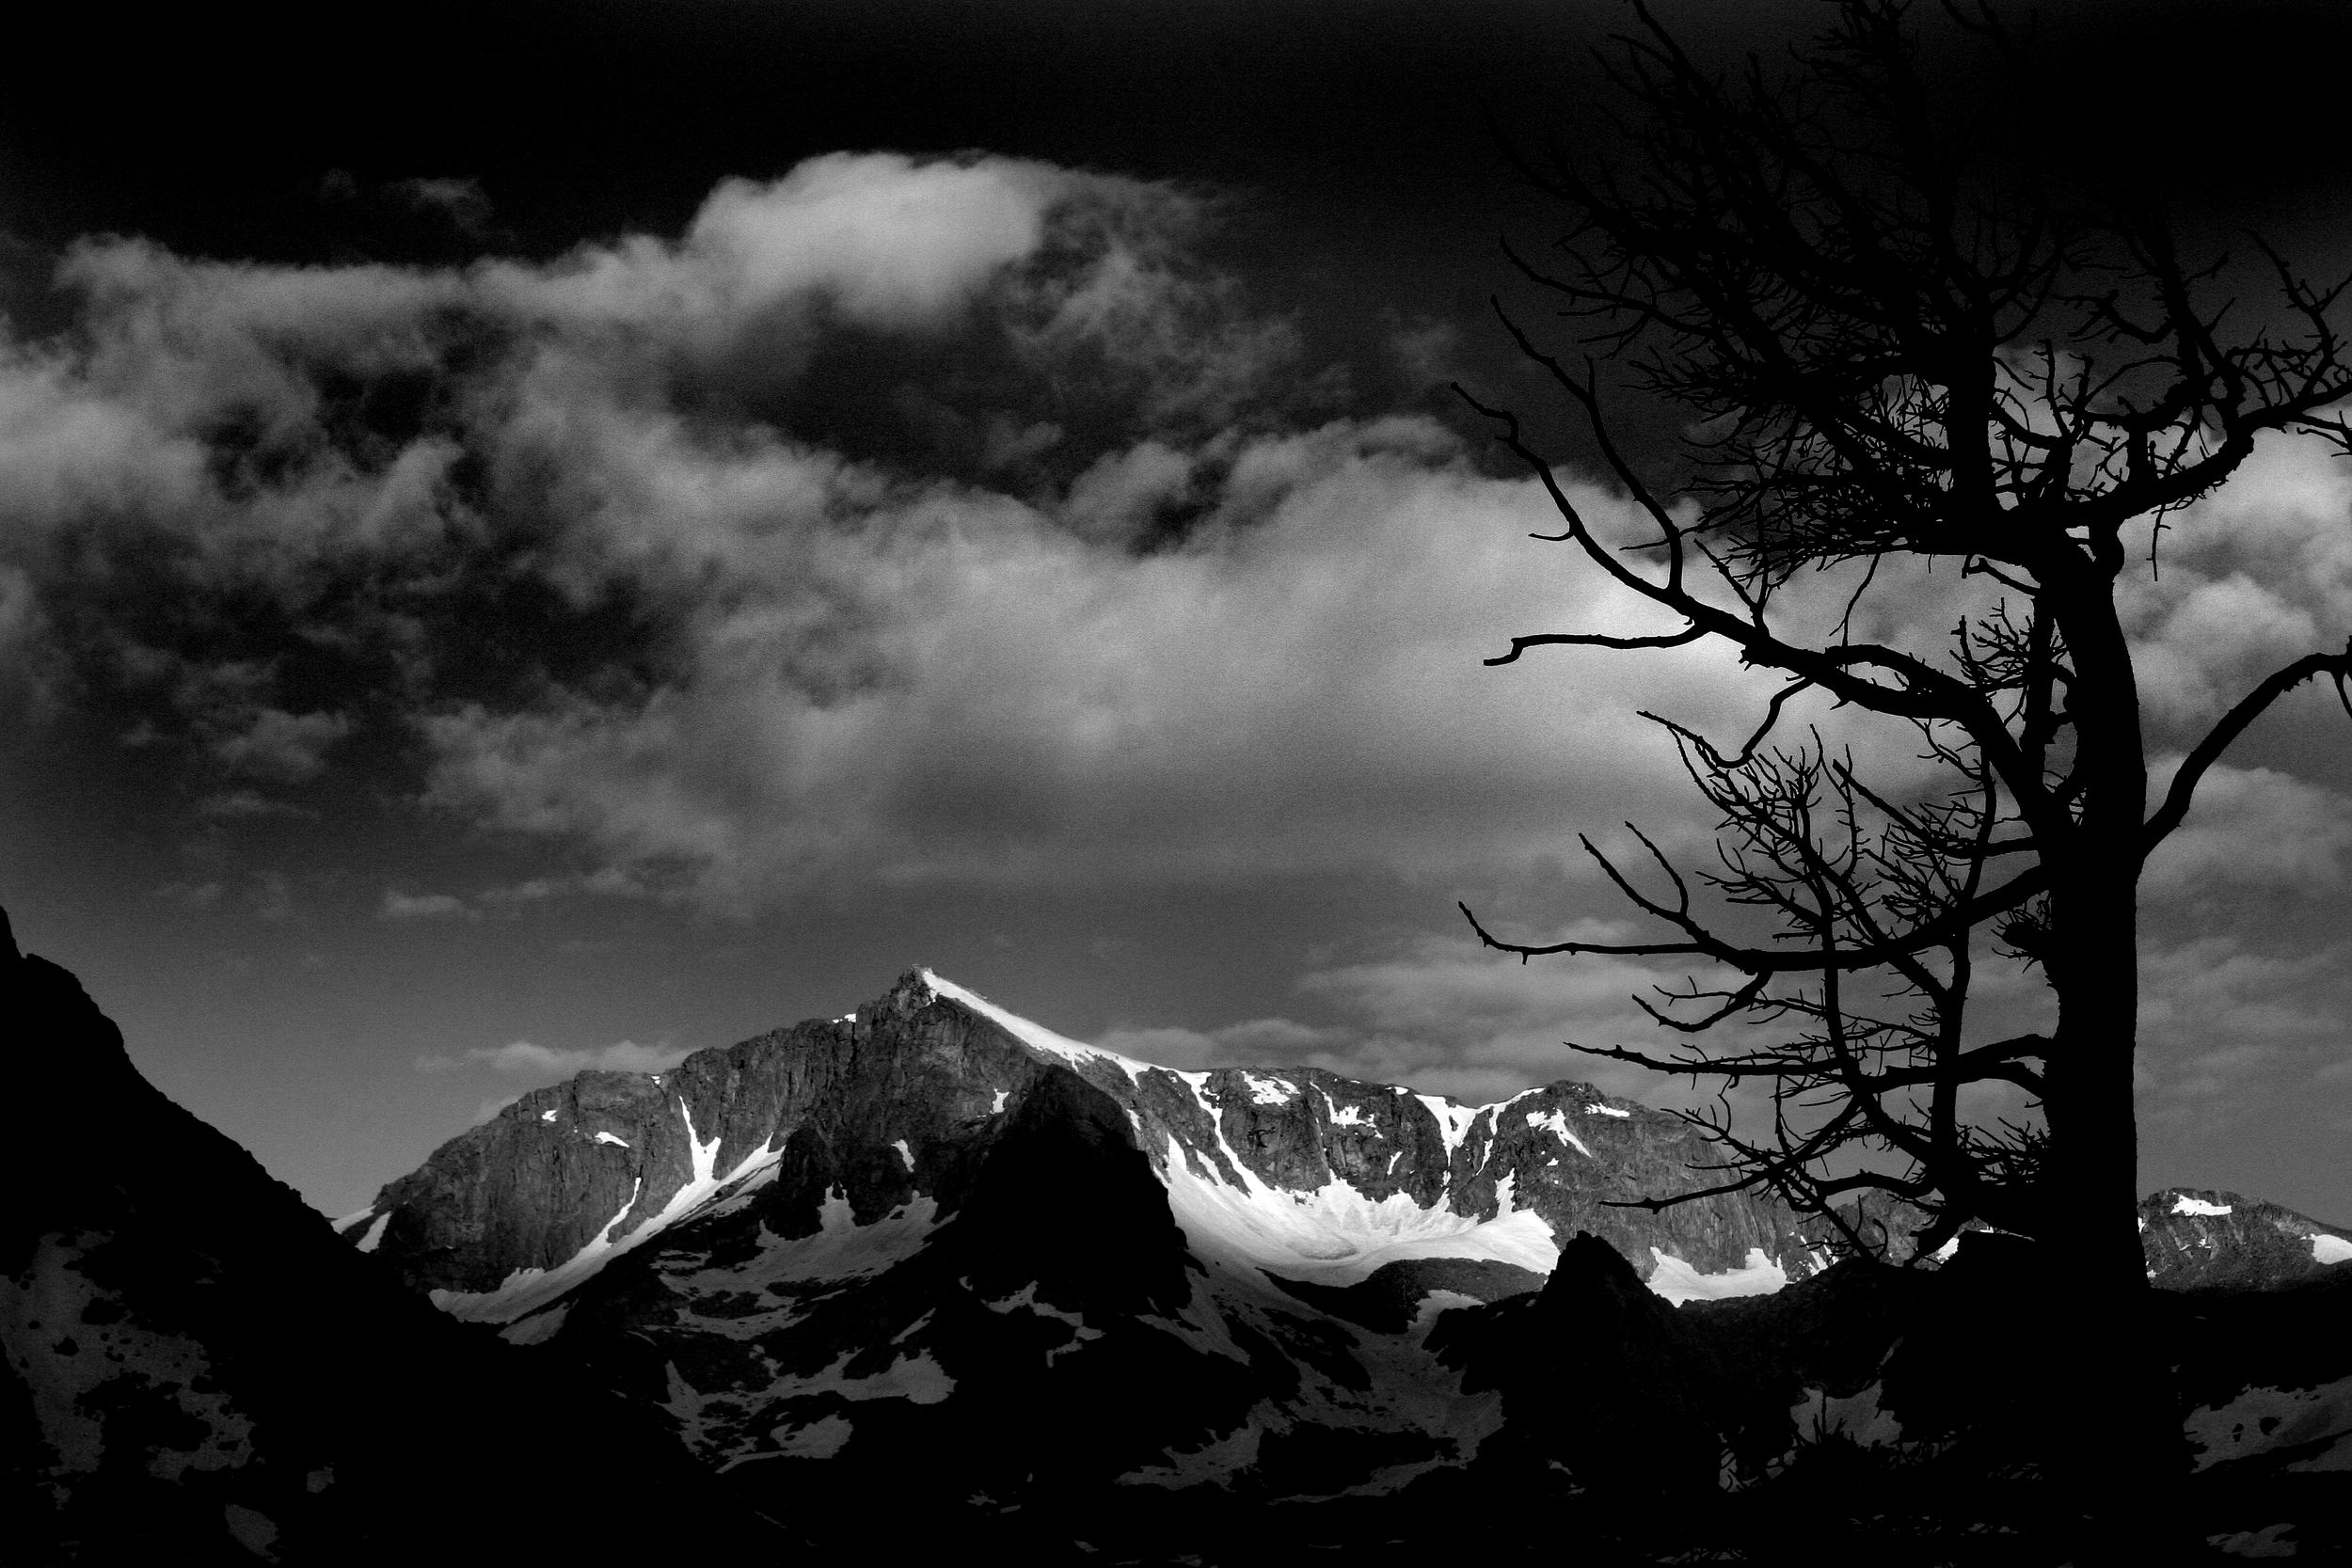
{"x": 2117, "y": 1457}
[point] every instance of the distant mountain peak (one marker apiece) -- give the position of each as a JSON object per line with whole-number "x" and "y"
{"x": 2196, "y": 1238}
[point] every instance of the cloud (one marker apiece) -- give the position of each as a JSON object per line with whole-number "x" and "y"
{"x": 278, "y": 745}
{"x": 547, "y": 1064}
{"x": 463, "y": 202}
{"x": 913, "y": 521}
{"x": 192, "y": 895}
{"x": 270, "y": 896}
{"x": 607, "y": 883}
{"x": 1258, "y": 1042}
{"x": 236, "y": 804}
{"x": 2225, "y": 1025}
{"x": 1203, "y": 641}
{"x": 2249, "y": 827}
{"x": 1427, "y": 350}
{"x": 508, "y": 899}
{"x": 422, "y": 905}
{"x": 2254, "y": 574}
{"x": 1439, "y": 1013}
{"x": 969, "y": 688}
{"x": 1443, "y": 1015}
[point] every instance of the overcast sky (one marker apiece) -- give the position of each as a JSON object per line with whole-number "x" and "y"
{"x": 557, "y": 535}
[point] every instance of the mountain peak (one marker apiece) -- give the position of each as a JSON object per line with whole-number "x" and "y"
{"x": 2198, "y": 1238}
{"x": 909, "y": 994}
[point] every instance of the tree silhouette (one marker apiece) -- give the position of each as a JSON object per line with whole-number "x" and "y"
{"x": 1893, "y": 342}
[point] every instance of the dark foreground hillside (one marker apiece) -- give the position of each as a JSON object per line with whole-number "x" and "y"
{"x": 1869, "y": 1414}
{"x": 199, "y": 1372}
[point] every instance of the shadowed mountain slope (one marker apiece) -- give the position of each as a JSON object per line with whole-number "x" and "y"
{"x": 199, "y": 1371}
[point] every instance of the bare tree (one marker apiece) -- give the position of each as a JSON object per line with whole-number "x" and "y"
{"x": 1866, "y": 1091}
{"x": 1893, "y": 345}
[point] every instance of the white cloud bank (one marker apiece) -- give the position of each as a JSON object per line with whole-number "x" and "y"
{"x": 1219, "y": 640}
{"x": 835, "y": 662}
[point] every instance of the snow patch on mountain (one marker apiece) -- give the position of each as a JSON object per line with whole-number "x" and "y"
{"x": 536, "y": 1329}
{"x": 1679, "y": 1282}
{"x": 820, "y": 1439}
{"x": 1032, "y": 1035}
{"x": 1857, "y": 1417}
{"x": 1558, "y": 1125}
{"x": 1343, "y": 1116}
{"x": 1269, "y": 1091}
{"x": 374, "y": 1237}
{"x": 2330, "y": 1249}
{"x": 1024, "y": 1300}
{"x": 1334, "y": 1234}
{"x": 2261, "y": 1420}
{"x": 1453, "y": 1121}
{"x": 840, "y": 1249}
{"x": 1599, "y": 1110}
{"x": 1434, "y": 1303}
{"x": 2187, "y": 1205}
{"x": 917, "y": 1378}
{"x": 1210, "y": 1463}
{"x": 526, "y": 1290}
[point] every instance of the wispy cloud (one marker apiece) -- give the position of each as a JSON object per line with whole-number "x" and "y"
{"x": 422, "y": 905}
{"x": 549, "y": 1064}
{"x": 2252, "y": 827}
{"x": 1445, "y": 1015}
{"x": 235, "y": 804}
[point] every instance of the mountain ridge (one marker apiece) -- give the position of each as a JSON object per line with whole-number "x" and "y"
{"x": 507, "y": 1216}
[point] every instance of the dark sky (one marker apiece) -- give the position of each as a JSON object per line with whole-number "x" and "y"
{"x": 540, "y": 535}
